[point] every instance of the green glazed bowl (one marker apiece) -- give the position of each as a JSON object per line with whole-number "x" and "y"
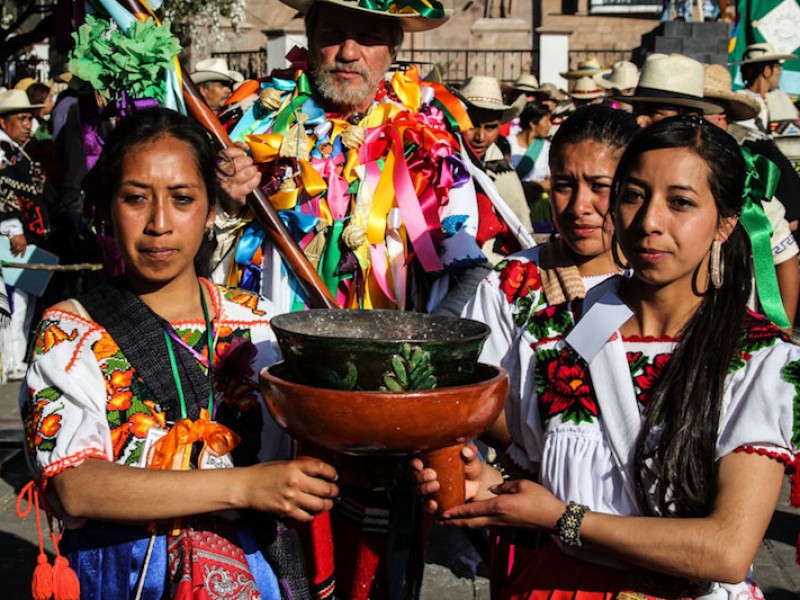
{"x": 379, "y": 350}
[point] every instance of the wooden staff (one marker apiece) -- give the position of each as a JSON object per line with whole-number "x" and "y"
{"x": 318, "y": 293}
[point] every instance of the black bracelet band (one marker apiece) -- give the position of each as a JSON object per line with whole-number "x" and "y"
{"x": 569, "y": 525}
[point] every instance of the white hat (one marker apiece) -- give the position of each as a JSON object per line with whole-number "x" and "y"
{"x": 671, "y": 80}
{"x": 764, "y": 52}
{"x": 16, "y": 101}
{"x": 406, "y": 12}
{"x": 587, "y": 67}
{"x": 624, "y": 75}
{"x": 484, "y": 92}
{"x": 717, "y": 86}
{"x": 587, "y": 88}
{"x": 214, "y": 69}
{"x": 527, "y": 82}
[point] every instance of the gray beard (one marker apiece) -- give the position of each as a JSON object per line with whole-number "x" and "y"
{"x": 347, "y": 95}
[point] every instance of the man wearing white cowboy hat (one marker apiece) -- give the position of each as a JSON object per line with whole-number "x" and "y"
{"x": 587, "y": 67}
{"x": 761, "y": 69}
{"x": 214, "y": 81}
{"x": 488, "y": 112}
{"x": 737, "y": 107}
{"x": 23, "y": 217}
{"x": 623, "y": 78}
{"x": 669, "y": 85}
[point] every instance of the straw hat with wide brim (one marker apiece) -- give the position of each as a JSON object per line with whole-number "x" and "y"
{"x": 214, "y": 69}
{"x": 763, "y": 52}
{"x": 671, "y": 80}
{"x": 527, "y": 82}
{"x": 624, "y": 75}
{"x": 12, "y": 101}
{"x": 587, "y": 67}
{"x": 484, "y": 92}
{"x": 410, "y": 18}
{"x": 586, "y": 88}
{"x": 717, "y": 86}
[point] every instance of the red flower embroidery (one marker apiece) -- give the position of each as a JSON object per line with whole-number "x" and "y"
{"x": 650, "y": 376}
{"x": 567, "y": 390}
{"x": 518, "y": 279}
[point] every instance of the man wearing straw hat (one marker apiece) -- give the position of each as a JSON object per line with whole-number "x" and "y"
{"x": 669, "y": 85}
{"x": 23, "y": 217}
{"x": 622, "y": 80}
{"x": 739, "y": 107}
{"x": 214, "y": 81}
{"x": 587, "y": 91}
{"x": 488, "y": 112}
{"x": 761, "y": 69}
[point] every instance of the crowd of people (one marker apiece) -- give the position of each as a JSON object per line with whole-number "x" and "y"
{"x": 653, "y": 381}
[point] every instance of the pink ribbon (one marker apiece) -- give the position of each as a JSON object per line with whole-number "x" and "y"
{"x": 337, "y": 197}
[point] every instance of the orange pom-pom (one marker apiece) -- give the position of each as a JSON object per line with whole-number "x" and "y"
{"x": 42, "y": 584}
{"x": 65, "y": 581}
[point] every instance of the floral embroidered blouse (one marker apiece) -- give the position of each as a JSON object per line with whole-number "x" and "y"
{"x": 83, "y": 399}
{"x": 553, "y": 414}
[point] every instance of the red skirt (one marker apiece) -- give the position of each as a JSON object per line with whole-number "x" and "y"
{"x": 527, "y": 572}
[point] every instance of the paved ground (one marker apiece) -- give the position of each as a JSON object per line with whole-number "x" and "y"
{"x": 775, "y": 566}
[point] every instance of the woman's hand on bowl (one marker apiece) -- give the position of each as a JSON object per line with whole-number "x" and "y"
{"x": 298, "y": 489}
{"x": 478, "y": 478}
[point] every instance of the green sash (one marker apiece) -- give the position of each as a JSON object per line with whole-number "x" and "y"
{"x": 533, "y": 151}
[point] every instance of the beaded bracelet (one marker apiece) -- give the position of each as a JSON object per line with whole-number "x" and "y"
{"x": 569, "y": 525}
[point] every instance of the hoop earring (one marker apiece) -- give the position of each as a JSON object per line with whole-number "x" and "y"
{"x": 716, "y": 265}
{"x": 615, "y": 254}
{"x": 210, "y": 234}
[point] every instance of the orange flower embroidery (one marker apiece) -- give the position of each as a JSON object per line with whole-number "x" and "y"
{"x": 50, "y": 335}
{"x": 50, "y": 426}
{"x": 105, "y": 347}
{"x": 120, "y": 400}
{"x": 122, "y": 379}
{"x": 140, "y": 423}
{"x": 246, "y": 299}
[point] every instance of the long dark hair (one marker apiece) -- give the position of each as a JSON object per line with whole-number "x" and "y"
{"x": 677, "y": 475}
{"x": 145, "y": 126}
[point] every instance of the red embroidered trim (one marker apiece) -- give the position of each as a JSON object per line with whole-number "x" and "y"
{"x": 73, "y": 460}
{"x": 650, "y": 338}
{"x": 782, "y": 457}
{"x": 546, "y": 340}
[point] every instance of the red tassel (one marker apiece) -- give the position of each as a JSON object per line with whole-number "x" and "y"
{"x": 42, "y": 584}
{"x": 65, "y": 581}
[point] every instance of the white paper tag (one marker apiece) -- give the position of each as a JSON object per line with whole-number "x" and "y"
{"x": 153, "y": 435}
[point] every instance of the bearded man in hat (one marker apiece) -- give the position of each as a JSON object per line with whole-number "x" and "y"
{"x": 23, "y": 215}
{"x": 368, "y": 174}
{"x": 322, "y": 133}
{"x": 214, "y": 81}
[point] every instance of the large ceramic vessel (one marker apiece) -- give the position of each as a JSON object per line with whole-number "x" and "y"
{"x": 433, "y": 423}
{"x": 379, "y": 350}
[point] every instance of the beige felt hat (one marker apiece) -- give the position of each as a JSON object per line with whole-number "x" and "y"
{"x": 586, "y": 88}
{"x": 484, "y": 92}
{"x": 763, "y": 52}
{"x": 624, "y": 75}
{"x": 717, "y": 86}
{"x": 15, "y": 101}
{"x": 411, "y": 18}
{"x": 587, "y": 67}
{"x": 214, "y": 69}
{"x": 527, "y": 82}
{"x": 671, "y": 80}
